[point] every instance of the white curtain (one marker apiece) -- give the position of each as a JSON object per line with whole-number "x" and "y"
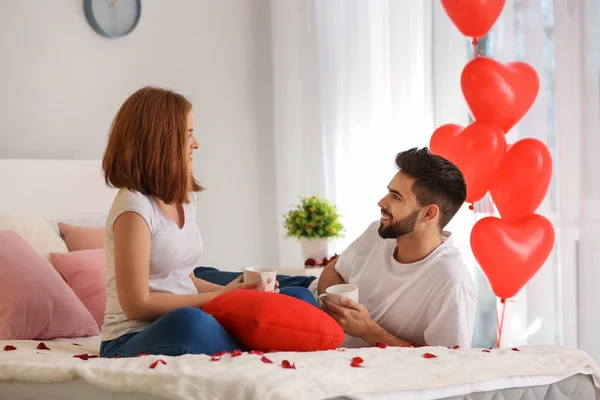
{"x": 357, "y": 81}
{"x": 352, "y": 87}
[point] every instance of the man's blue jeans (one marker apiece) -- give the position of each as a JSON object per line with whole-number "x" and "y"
{"x": 192, "y": 331}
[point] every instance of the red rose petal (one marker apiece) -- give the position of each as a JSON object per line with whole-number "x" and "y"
{"x": 116, "y": 357}
{"x": 429, "y": 355}
{"x": 215, "y": 358}
{"x": 236, "y": 353}
{"x": 84, "y": 357}
{"x": 486, "y": 351}
{"x": 266, "y": 360}
{"x": 381, "y": 345}
{"x": 310, "y": 263}
{"x": 257, "y": 352}
{"x": 219, "y": 354}
{"x": 93, "y": 356}
{"x": 515, "y": 349}
{"x": 356, "y": 361}
{"x": 155, "y": 363}
{"x": 42, "y": 346}
{"x": 9, "y": 348}
{"x": 287, "y": 365}
{"x": 454, "y": 347}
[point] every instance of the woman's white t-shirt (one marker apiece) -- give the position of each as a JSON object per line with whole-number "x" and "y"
{"x": 175, "y": 253}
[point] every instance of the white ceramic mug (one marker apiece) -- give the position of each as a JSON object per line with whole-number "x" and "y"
{"x": 336, "y": 292}
{"x": 264, "y": 276}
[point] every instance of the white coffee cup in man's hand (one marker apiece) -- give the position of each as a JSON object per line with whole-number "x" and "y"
{"x": 265, "y": 277}
{"x": 336, "y": 292}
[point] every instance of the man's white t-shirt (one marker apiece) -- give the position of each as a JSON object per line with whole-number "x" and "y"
{"x": 430, "y": 302}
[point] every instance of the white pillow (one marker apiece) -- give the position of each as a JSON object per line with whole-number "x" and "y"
{"x": 36, "y": 231}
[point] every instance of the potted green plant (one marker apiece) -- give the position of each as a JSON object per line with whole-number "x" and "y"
{"x": 314, "y": 222}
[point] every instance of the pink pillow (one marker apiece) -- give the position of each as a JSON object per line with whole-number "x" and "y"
{"x": 84, "y": 271}
{"x": 35, "y": 302}
{"x": 82, "y": 237}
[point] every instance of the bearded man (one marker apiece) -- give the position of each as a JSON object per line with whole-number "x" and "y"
{"x": 414, "y": 287}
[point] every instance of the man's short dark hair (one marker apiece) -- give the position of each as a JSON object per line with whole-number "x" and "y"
{"x": 437, "y": 181}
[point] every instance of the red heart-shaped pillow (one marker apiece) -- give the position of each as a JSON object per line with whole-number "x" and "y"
{"x": 476, "y": 150}
{"x": 497, "y": 93}
{"x": 510, "y": 253}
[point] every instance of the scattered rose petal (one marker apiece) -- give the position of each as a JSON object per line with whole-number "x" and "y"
{"x": 486, "y": 351}
{"x": 515, "y": 349}
{"x": 42, "y": 346}
{"x": 76, "y": 344}
{"x": 219, "y": 354}
{"x": 155, "y": 363}
{"x": 356, "y": 361}
{"x": 454, "y": 347}
{"x": 310, "y": 263}
{"x": 266, "y": 360}
{"x": 381, "y": 345}
{"x": 143, "y": 354}
{"x": 116, "y": 357}
{"x": 215, "y": 358}
{"x": 429, "y": 355}
{"x": 257, "y": 352}
{"x": 287, "y": 365}
{"x": 85, "y": 357}
{"x": 9, "y": 348}
{"x": 236, "y": 353}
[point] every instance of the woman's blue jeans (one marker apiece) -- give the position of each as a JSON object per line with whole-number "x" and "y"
{"x": 192, "y": 331}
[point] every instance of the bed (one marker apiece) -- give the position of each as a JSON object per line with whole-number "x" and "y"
{"x": 69, "y": 369}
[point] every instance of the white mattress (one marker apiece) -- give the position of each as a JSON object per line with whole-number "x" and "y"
{"x": 386, "y": 373}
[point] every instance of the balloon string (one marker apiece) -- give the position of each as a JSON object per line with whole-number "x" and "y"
{"x": 501, "y": 323}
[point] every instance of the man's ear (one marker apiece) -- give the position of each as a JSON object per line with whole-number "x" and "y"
{"x": 432, "y": 213}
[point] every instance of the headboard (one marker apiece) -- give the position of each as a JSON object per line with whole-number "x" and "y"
{"x": 54, "y": 189}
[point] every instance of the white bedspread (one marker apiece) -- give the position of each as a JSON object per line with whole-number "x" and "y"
{"x": 317, "y": 375}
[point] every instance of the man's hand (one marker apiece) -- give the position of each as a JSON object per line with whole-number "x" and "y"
{"x": 353, "y": 317}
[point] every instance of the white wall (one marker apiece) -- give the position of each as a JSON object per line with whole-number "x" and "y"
{"x": 61, "y": 85}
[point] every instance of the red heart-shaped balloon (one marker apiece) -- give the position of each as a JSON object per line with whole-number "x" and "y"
{"x": 497, "y": 93}
{"x": 510, "y": 253}
{"x": 476, "y": 150}
{"x": 473, "y": 18}
{"x": 522, "y": 179}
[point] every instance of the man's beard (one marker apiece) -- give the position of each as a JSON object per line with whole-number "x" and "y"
{"x": 394, "y": 230}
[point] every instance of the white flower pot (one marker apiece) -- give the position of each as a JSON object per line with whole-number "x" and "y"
{"x": 317, "y": 249}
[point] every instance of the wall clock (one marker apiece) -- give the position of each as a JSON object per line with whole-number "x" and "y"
{"x": 113, "y": 18}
